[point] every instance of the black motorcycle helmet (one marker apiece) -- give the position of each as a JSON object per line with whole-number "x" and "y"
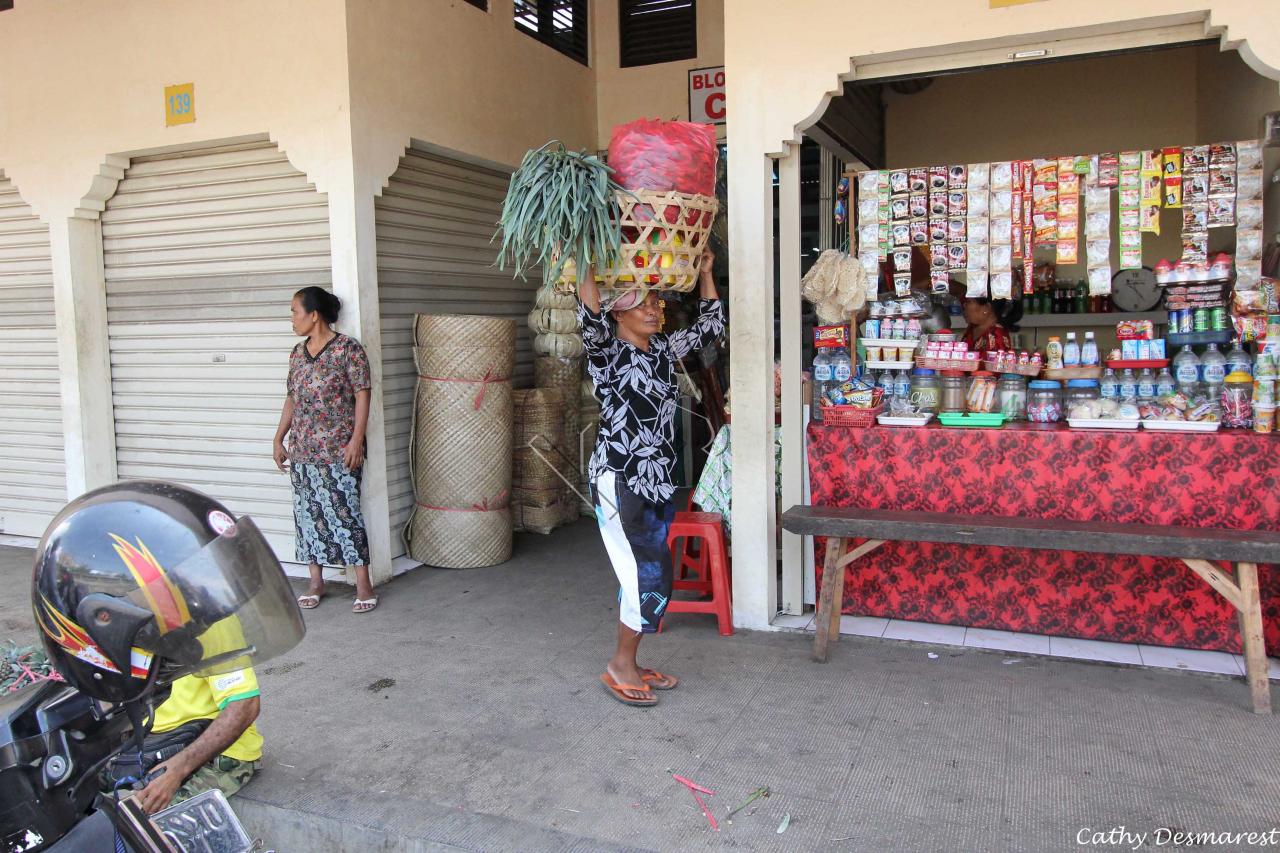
{"x": 144, "y": 582}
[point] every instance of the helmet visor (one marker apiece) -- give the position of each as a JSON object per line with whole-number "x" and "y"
{"x": 227, "y": 607}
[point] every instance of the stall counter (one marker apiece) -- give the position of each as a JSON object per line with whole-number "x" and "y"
{"x": 1225, "y": 479}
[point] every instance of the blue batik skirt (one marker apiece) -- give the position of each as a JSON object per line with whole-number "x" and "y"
{"x": 326, "y": 511}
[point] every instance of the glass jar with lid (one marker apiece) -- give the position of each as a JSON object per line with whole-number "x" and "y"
{"x": 1012, "y": 394}
{"x": 1082, "y": 399}
{"x": 926, "y": 390}
{"x": 982, "y": 392}
{"x": 954, "y": 386}
{"x": 1044, "y": 401}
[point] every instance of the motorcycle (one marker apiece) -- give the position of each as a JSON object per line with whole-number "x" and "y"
{"x": 54, "y": 744}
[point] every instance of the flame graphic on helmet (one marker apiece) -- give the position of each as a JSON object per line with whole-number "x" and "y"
{"x": 70, "y": 636}
{"x": 164, "y": 599}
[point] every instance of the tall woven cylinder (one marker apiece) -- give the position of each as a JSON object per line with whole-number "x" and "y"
{"x": 538, "y": 490}
{"x": 461, "y": 441}
{"x": 564, "y": 375}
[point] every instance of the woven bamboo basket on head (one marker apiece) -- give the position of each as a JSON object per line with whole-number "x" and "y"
{"x": 461, "y": 441}
{"x": 663, "y": 235}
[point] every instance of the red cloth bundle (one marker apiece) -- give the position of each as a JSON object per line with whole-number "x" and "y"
{"x": 652, "y": 154}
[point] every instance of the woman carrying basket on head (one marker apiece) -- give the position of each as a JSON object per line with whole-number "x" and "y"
{"x": 324, "y": 416}
{"x": 633, "y": 367}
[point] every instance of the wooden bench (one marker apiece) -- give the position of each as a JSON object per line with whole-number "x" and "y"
{"x": 1197, "y": 547}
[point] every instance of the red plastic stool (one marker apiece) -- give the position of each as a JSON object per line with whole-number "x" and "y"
{"x": 715, "y": 579}
{"x": 690, "y": 561}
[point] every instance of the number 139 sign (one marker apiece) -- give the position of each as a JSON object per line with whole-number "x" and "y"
{"x": 179, "y": 104}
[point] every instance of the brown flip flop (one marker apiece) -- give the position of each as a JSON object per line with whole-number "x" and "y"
{"x": 657, "y": 680}
{"x": 618, "y": 692}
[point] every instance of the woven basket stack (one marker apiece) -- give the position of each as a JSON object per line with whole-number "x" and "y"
{"x": 461, "y": 441}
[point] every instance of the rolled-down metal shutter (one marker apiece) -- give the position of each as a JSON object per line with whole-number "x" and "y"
{"x": 203, "y": 252}
{"x": 435, "y": 220}
{"x": 33, "y": 477}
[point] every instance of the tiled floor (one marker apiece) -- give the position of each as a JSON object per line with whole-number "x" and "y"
{"x": 1192, "y": 660}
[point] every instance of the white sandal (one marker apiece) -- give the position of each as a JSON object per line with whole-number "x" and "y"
{"x": 364, "y": 605}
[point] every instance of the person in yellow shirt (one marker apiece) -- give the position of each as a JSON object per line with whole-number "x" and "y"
{"x": 224, "y": 756}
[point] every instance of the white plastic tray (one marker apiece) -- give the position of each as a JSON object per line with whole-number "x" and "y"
{"x": 891, "y": 365}
{"x": 905, "y": 420}
{"x": 1102, "y": 423}
{"x": 1182, "y": 426}
{"x": 889, "y": 342}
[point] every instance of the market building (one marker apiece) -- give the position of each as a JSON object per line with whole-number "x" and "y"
{"x": 147, "y": 265}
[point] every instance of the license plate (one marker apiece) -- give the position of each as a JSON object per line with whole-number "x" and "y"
{"x": 204, "y": 823}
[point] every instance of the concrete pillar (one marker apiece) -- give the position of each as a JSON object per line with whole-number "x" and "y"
{"x": 354, "y": 254}
{"x": 790, "y": 329}
{"x": 751, "y": 317}
{"x": 84, "y": 358}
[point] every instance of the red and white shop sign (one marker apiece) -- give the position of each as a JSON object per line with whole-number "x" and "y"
{"x": 706, "y": 95}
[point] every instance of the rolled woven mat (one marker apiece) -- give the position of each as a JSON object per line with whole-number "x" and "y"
{"x": 461, "y": 441}
{"x": 564, "y": 374}
{"x": 540, "y": 478}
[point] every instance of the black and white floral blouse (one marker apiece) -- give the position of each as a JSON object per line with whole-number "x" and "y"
{"x": 638, "y": 395}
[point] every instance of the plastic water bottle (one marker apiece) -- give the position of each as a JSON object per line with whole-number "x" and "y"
{"x": 822, "y": 381}
{"x": 1165, "y": 384}
{"x": 1186, "y": 371}
{"x": 1089, "y": 352}
{"x": 1213, "y": 366}
{"x": 1110, "y": 385}
{"x": 841, "y": 366}
{"x": 901, "y": 385}
{"x": 1071, "y": 351}
{"x": 1213, "y": 373}
{"x": 886, "y": 385}
{"x": 1146, "y": 386}
{"x": 1128, "y": 386}
{"x": 1238, "y": 359}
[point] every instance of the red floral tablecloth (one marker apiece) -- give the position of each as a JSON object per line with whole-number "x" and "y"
{"x": 1226, "y": 479}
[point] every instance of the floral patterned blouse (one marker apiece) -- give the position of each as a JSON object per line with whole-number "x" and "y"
{"x": 323, "y": 389}
{"x": 637, "y": 393}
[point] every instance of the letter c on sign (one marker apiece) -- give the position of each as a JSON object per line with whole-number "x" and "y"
{"x": 715, "y": 105}
{"x": 1080, "y": 836}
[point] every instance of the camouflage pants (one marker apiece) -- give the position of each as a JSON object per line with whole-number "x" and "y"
{"x": 223, "y": 772}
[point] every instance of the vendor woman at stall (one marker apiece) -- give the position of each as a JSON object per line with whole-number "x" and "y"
{"x": 632, "y": 366}
{"x": 989, "y": 322}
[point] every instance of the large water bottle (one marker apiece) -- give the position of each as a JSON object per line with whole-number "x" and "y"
{"x": 886, "y": 386}
{"x": 1128, "y": 386}
{"x": 1071, "y": 351}
{"x": 1186, "y": 371}
{"x": 1165, "y": 383}
{"x": 1146, "y": 386}
{"x": 1213, "y": 373}
{"x": 1238, "y": 359}
{"x": 841, "y": 366}
{"x": 822, "y": 381}
{"x": 902, "y": 385}
{"x": 1109, "y": 387}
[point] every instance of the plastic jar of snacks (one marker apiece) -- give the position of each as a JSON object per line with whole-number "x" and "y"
{"x": 926, "y": 390}
{"x": 982, "y": 393}
{"x": 1044, "y": 401}
{"x": 1012, "y": 394}
{"x": 1082, "y": 398}
{"x": 954, "y": 387}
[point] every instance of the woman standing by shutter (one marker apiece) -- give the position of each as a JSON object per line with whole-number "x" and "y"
{"x": 633, "y": 368}
{"x": 325, "y": 415}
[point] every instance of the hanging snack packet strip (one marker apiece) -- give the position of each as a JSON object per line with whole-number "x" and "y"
{"x": 1130, "y": 184}
{"x": 1172, "y": 177}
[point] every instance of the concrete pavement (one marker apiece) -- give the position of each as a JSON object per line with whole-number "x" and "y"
{"x": 465, "y": 713}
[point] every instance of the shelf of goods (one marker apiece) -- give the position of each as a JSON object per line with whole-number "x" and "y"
{"x": 1055, "y": 321}
{"x": 1219, "y": 336}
